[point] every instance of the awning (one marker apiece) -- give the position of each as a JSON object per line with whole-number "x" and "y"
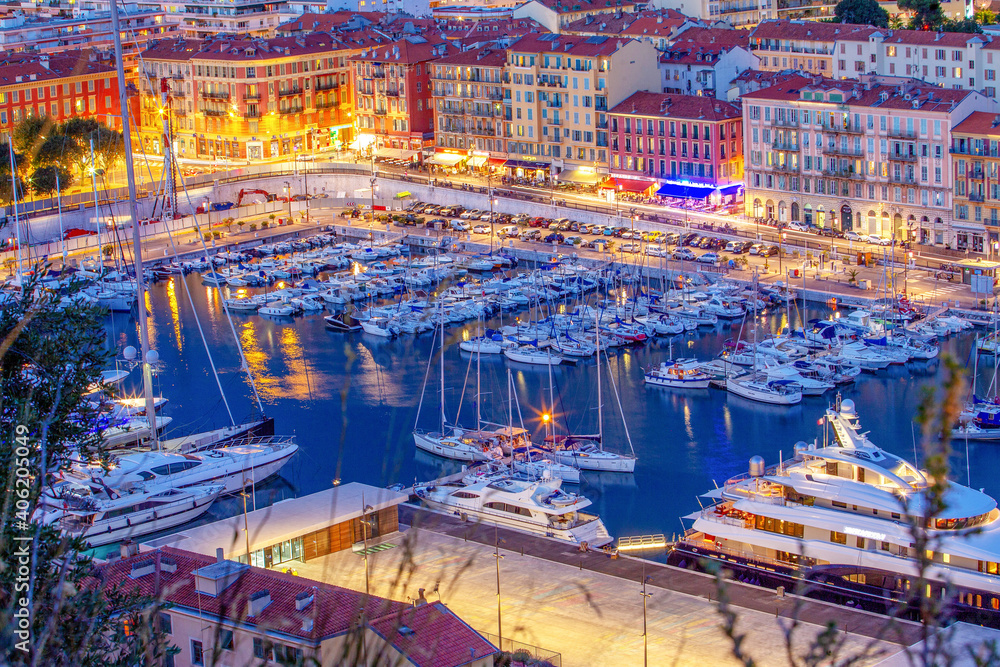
{"x": 580, "y": 175}
{"x": 733, "y": 189}
{"x": 403, "y": 195}
{"x": 497, "y": 161}
{"x": 627, "y": 184}
{"x": 446, "y": 159}
{"x": 526, "y": 164}
{"x": 477, "y": 160}
{"x": 395, "y": 153}
{"x": 685, "y": 191}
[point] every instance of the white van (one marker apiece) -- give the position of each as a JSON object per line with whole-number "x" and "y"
{"x": 460, "y": 225}
{"x": 509, "y": 231}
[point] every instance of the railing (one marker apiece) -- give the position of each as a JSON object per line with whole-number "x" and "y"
{"x": 840, "y": 150}
{"x": 289, "y": 91}
{"x": 844, "y": 173}
{"x": 977, "y": 197}
{"x": 378, "y": 74}
{"x": 290, "y": 110}
{"x": 902, "y": 157}
{"x": 327, "y": 105}
{"x": 983, "y": 152}
{"x": 901, "y": 134}
{"x": 788, "y": 167}
{"x": 785, "y": 122}
{"x": 255, "y": 97}
{"x": 903, "y": 179}
{"x": 785, "y": 145}
{"x": 249, "y": 115}
{"x": 392, "y": 92}
{"x": 215, "y": 112}
{"x": 215, "y": 95}
{"x": 977, "y": 174}
{"x": 327, "y": 86}
{"x": 510, "y": 646}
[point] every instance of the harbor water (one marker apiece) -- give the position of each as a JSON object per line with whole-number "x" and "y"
{"x": 352, "y": 401}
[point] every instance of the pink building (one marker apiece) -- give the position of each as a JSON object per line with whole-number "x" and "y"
{"x": 688, "y": 144}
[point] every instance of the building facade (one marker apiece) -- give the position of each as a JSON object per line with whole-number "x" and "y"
{"x": 808, "y": 46}
{"x": 58, "y": 86}
{"x": 677, "y": 138}
{"x": 561, "y": 89}
{"x": 394, "y": 105}
{"x": 469, "y": 106}
{"x": 975, "y": 154}
{"x": 868, "y": 157}
{"x": 248, "y": 99}
{"x": 736, "y": 13}
{"x": 705, "y": 61}
{"x": 555, "y": 15}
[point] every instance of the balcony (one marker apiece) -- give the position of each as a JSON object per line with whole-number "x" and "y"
{"x": 602, "y": 125}
{"x": 901, "y": 133}
{"x": 553, "y": 121}
{"x": 392, "y": 92}
{"x": 250, "y": 115}
{"x": 289, "y": 91}
{"x": 977, "y": 197}
{"x": 848, "y": 173}
{"x": 333, "y": 104}
{"x": 215, "y": 95}
{"x": 255, "y": 97}
{"x": 483, "y": 131}
{"x": 787, "y": 167}
{"x": 555, "y": 138}
{"x": 380, "y": 112}
{"x": 841, "y": 150}
{"x": 902, "y": 157}
{"x": 177, "y": 76}
{"x": 785, "y": 122}
{"x": 977, "y": 174}
{"x": 904, "y": 179}
{"x": 290, "y": 110}
{"x": 785, "y": 146}
{"x": 327, "y": 85}
{"x": 378, "y": 73}
{"x": 968, "y": 150}
{"x": 218, "y": 113}
{"x": 847, "y": 128}
{"x": 178, "y": 93}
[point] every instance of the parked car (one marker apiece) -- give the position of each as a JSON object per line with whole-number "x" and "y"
{"x": 656, "y": 250}
{"x": 683, "y": 253}
{"x": 470, "y": 214}
{"x": 733, "y": 246}
{"x": 755, "y": 248}
{"x": 555, "y": 238}
{"x": 672, "y": 238}
{"x": 460, "y": 225}
{"x": 481, "y": 229}
{"x": 878, "y": 240}
{"x": 690, "y": 239}
{"x": 768, "y": 251}
{"x": 798, "y": 226}
{"x": 704, "y": 242}
{"x": 717, "y": 244}
{"x": 532, "y": 235}
{"x": 709, "y": 258}
{"x": 510, "y": 231}
{"x": 574, "y": 240}
{"x": 630, "y": 247}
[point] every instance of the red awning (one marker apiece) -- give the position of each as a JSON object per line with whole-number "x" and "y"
{"x": 497, "y": 161}
{"x": 627, "y": 184}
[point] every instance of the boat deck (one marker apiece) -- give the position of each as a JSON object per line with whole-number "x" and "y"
{"x": 856, "y": 622}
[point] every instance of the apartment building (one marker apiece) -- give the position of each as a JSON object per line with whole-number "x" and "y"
{"x": 203, "y": 19}
{"x": 561, "y": 89}
{"x": 248, "y": 99}
{"x": 808, "y": 46}
{"x": 60, "y": 86}
{"x": 975, "y": 159}
{"x": 736, "y": 13}
{"x": 555, "y": 15}
{"x": 469, "y": 107}
{"x": 678, "y": 140}
{"x": 947, "y": 59}
{"x": 705, "y": 61}
{"x": 394, "y": 106}
{"x": 219, "y": 611}
{"x": 850, "y": 155}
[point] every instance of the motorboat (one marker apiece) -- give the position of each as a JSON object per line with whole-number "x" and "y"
{"x": 536, "y": 463}
{"x": 380, "y": 326}
{"x": 834, "y": 514}
{"x": 973, "y": 431}
{"x": 277, "y": 309}
{"x": 102, "y": 516}
{"x": 489, "y": 343}
{"x": 344, "y": 323}
{"x": 864, "y": 356}
{"x": 757, "y": 387}
{"x": 809, "y": 385}
{"x": 234, "y": 465}
{"x": 585, "y": 454}
{"x": 724, "y": 308}
{"x": 679, "y": 374}
{"x": 538, "y": 507}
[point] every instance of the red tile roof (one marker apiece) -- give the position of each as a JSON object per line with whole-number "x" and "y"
{"x": 926, "y": 97}
{"x": 229, "y": 49}
{"x": 926, "y": 38}
{"x": 328, "y": 22}
{"x": 783, "y": 29}
{"x": 483, "y": 56}
{"x": 980, "y": 123}
{"x": 432, "y": 636}
{"x": 438, "y": 637}
{"x": 672, "y": 105}
{"x": 65, "y": 64}
{"x": 407, "y": 50}
{"x": 660, "y": 23}
{"x": 572, "y": 44}
{"x": 698, "y": 35}
{"x": 470, "y": 33}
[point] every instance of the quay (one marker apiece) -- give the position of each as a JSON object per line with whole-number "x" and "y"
{"x": 585, "y": 606}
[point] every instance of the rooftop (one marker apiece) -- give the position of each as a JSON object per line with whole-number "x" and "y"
{"x": 256, "y": 49}
{"x": 483, "y": 56}
{"x": 65, "y": 64}
{"x": 281, "y": 521}
{"x": 979, "y": 123}
{"x": 793, "y": 30}
{"x": 671, "y": 105}
{"x": 408, "y": 50}
{"x": 911, "y": 95}
{"x": 575, "y": 45}
{"x": 662, "y": 23}
{"x": 571, "y": 6}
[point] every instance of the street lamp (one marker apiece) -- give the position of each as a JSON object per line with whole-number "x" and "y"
{"x": 499, "y": 557}
{"x": 645, "y": 635}
{"x": 364, "y": 536}
{"x": 781, "y": 238}
{"x": 288, "y": 198}
{"x": 546, "y": 419}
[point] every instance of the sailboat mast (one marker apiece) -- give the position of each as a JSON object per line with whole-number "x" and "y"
{"x": 147, "y": 369}
{"x": 600, "y": 420}
{"x": 62, "y": 234}
{"x": 97, "y": 206}
{"x": 13, "y": 190}
{"x": 479, "y": 352}
{"x": 443, "y": 417}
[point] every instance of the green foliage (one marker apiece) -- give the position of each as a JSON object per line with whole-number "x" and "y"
{"x": 985, "y": 16}
{"x": 6, "y": 182}
{"x": 61, "y": 149}
{"x": 49, "y": 358}
{"x": 43, "y": 179}
{"x": 965, "y": 25}
{"x": 927, "y": 14}
{"x": 108, "y": 249}
{"x": 865, "y": 12}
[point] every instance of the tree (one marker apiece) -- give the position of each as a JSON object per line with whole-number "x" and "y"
{"x": 49, "y": 359}
{"x": 7, "y": 183}
{"x": 865, "y": 12}
{"x": 927, "y": 14}
{"x": 965, "y": 25}
{"x": 61, "y": 149}
{"x": 43, "y": 180}
{"x": 985, "y": 16}
{"x": 30, "y": 133}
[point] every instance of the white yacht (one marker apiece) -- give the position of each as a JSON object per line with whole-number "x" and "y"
{"x": 102, "y": 516}
{"x": 759, "y": 388}
{"x": 585, "y": 454}
{"x": 540, "y": 507}
{"x": 529, "y": 354}
{"x": 234, "y": 465}
{"x": 809, "y": 386}
{"x": 460, "y": 445}
{"x": 679, "y": 374}
{"x": 835, "y": 510}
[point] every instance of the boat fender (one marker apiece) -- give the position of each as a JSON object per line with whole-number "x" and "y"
{"x": 463, "y": 516}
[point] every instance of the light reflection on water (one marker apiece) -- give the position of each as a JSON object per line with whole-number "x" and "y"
{"x": 684, "y": 441}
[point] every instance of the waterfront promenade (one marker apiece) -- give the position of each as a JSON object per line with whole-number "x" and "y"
{"x": 588, "y": 606}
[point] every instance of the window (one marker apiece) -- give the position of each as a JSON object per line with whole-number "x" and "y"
{"x": 261, "y": 649}
{"x": 166, "y": 626}
{"x": 226, "y": 640}
{"x": 197, "y": 653}
{"x": 838, "y": 538}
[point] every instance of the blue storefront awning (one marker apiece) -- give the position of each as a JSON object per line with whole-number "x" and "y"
{"x": 526, "y": 164}
{"x": 685, "y": 191}
{"x": 733, "y": 189}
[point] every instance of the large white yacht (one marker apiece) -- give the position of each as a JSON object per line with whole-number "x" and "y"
{"x": 234, "y": 465}
{"x": 836, "y": 511}
{"x": 539, "y": 507}
{"x": 102, "y": 516}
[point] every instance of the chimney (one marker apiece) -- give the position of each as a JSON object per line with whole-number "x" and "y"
{"x": 259, "y": 602}
{"x": 996, "y": 120}
{"x": 307, "y": 625}
{"x": 129, "y": 548}
{"x": 304, "y": 599}
{"x": 220, "y": 555}
{"x": 142, "y": 568}
{"x": 43, "y": 60}
{"x": 168, "y": 564}
{"x": 421, "y": 598}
